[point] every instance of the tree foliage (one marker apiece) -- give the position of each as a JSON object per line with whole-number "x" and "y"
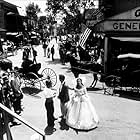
{"x": 70, "y": 8}
{"x": 31, "y": 11}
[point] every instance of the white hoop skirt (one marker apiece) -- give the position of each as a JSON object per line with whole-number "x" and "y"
{"x": 81, "y": 114}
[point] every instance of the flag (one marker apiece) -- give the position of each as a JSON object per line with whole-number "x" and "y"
{"x": 85, "y": 33}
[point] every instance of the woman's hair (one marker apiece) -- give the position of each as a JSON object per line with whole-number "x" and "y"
{"x": 62, "y": 77}
{"x": 48, "y": 84}
{"x": 77, "y": 86}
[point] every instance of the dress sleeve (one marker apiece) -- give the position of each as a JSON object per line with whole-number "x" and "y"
{"x": 84, "y": 91}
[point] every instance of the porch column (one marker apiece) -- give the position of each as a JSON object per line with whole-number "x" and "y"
{"x": 106, "y": 55}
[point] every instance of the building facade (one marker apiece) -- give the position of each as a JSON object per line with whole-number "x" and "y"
{"x": 113, "y": 7}
{"x": 10, "y": 20}
{"x": 121, "y": 26}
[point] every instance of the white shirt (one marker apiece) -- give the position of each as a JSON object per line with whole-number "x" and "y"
{"x": 48, "y": 93}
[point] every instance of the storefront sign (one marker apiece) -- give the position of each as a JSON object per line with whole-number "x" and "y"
{"x": 121, "y": 25}
{"x": 137, "y": 13}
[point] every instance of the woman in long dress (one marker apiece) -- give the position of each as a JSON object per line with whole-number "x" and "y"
{"x": 81, "y": 113}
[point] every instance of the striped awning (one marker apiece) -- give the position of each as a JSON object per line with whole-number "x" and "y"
{"x": 84, "y": 36}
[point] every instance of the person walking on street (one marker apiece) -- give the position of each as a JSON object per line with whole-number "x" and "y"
{"x": 34, "y": 55}
{"x": 45, "y": 45}
{"x": 7, "y": 96}
{"x": 18, "y": 95}
{"x": 49, "y": 94}
{"x": 24, "y": 55}
{"x": 48, "y": 52}
{"x": 52, "y": 52}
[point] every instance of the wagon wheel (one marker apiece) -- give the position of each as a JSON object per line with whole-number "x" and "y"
{"x": 32, "y": 80}
{"x": 49, "y": 74}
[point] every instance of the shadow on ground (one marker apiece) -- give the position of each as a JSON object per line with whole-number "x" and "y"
{"x": 56, "y": 61}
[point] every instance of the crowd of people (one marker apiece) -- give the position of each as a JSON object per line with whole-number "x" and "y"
{"x": 6, "y": 47}
{"x": 64, "y": 45}
{"x": 11, "y": 94}
{"x": 73, "y": 107}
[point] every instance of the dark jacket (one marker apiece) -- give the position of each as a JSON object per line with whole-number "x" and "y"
{"x": 44, "y": 46}
{"x": 52, "y": 50}
{"x": 64, "y": 94}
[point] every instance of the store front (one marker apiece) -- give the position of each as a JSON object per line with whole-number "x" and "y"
{"x": 122, "y": 38}
{"x": 10, "y": 18}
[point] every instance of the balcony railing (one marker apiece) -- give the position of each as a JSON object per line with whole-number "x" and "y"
{"x": 7, "y": 111}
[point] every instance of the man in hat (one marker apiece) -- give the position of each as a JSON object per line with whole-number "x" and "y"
{"x": 63, "y": 95}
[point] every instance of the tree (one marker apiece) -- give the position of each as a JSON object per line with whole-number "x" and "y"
{"x": 43, "y": 27}
{"x": 69, "y": 8}
{"x": 32, "y": 10}
{"x": 42, "y": 22}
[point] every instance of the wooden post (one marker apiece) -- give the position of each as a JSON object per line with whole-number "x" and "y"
{"x": 105, "y": 54}
{"x": 10, "y": 112}
{"x": 44, "y": 137}
{"x": 1, "y": 128}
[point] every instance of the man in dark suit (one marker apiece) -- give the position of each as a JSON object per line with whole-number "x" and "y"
{"x": 52, "y": 52}
{"x": 63, "y": 95}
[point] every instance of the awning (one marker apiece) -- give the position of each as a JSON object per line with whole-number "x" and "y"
{"x": 2, "y": 30}
{"x": 129, "y": 39}
{"x": 10, "y": 33}
{"x": 128, "y": 55}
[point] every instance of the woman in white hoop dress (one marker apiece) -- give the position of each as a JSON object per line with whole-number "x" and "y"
{"x": 81, "y": 113}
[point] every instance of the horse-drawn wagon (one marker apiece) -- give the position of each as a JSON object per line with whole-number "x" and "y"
{"x": 32, "y": 79}
{"x": 120, "y": 68}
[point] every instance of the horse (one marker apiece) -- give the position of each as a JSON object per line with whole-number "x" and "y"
{"x": 84, "y": 67}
